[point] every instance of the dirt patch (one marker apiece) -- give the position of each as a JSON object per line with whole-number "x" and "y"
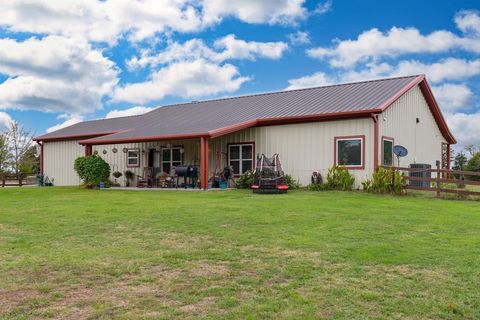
{"x": 16, "y": 298}
{"x": 198, "y": 307}
{"x": 206, "y": 269}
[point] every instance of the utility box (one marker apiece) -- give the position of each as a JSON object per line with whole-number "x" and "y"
{"x": 420, "y": 174}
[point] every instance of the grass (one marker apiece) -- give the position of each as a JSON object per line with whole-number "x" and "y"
{"x": 72, "y": 253}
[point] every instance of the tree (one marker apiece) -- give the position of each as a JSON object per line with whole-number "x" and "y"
{"x": 471, "y": 149}
{"x": 474, "y": 165}
{"x": 19, "y": 142}
{"x": 459, "y": 161}
{"x": 30, "y": 162}
{"x": 5, "y": 156}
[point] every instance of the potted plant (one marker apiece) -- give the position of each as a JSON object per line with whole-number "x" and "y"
{"x": 129, "y": 175}
{"x": 116, "y": 174}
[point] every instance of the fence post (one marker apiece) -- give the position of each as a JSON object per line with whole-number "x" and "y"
{"x": 438, "y": 179}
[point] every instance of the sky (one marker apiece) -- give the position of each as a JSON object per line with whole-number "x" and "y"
{"x": 62, "y": 62}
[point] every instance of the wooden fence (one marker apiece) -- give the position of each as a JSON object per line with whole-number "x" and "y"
{"x": 9, "y": 181}
{"x": 441, "y": 180}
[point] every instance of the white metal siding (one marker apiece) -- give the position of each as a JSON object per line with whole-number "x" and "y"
{"x": 303, "y": 148}
{"x": 423, "y": 140}
{"x": 58, "y": 158}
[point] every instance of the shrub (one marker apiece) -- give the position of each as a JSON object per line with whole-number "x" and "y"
{"x": 292, "y": 183}
{"x": 338, "y": 178}
{"x": 245, "y": 181}
{"x": 92, "y": 170}
{"x": 385, "y": 181}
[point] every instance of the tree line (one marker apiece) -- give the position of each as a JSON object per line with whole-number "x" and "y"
{"x": 18, "y": 152}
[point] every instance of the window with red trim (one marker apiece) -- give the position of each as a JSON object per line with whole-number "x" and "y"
{"x": 349, "y": 151}
{"x": 387, "y": 152}
{"x": 133, "y": 157}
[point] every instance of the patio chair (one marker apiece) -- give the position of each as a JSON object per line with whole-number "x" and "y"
{"x": 147, "y": 178}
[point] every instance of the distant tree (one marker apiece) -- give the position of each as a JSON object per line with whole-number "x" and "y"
{"x": 459, "y": 161}
{"x": 5, "y": 156}
{"x": 471, "y": 149}
{"x": 473, "y": 164}
{"x": 19, "y": 142}
{"x": 30, "y": 162}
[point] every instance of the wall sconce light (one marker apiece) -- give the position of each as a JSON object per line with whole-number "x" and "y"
{"x": 418, "y": 120}
{"x": 181, "y": 150}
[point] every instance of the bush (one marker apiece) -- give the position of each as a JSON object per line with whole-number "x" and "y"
{"x": 92, "y": 170}
{"x": 245, "y": 181}
{"x": 338, "y": 178}
{"x": 292, "y": 183}
{"x": 385, "y": 181}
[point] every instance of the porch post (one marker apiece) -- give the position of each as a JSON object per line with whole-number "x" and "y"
{"x": 88, "y": 150}
{"x": 375, "y": 141}
{"x": 204, "y": 162}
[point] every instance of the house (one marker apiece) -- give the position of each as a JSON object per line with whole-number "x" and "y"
{"x": 353, "y": 124}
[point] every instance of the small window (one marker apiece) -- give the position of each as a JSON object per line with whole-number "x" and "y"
{"x": 133, "y": 158}
{"x": 171, "y": 157}
{"x": 349, "y": 151}
{"x": 387, "y": 147}
{"x": 240, "y": 158}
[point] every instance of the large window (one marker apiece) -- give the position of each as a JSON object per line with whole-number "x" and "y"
{"x": 133, "y": 157}
{"x": 349, "y": 151}
{"x": 240, "y": 157}
{"x": 387, "y": 151}
{"x": 171, "y": 157}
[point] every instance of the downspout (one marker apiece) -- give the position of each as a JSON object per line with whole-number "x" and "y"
{"x": 375, "y": 140}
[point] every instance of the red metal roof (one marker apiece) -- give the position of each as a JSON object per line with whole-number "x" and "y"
{"x": 217, "y": 117}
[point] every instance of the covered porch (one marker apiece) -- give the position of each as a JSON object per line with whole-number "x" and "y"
{"x": 154, "y": 163}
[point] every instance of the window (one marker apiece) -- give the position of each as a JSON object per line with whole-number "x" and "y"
{"x": 240, "y": 157}
{"x": 133, "y": 157}
{"x": 171, "y": 157}
{"x": 387, "y": 151}
{"x": 445, "y": 156}
{"x": 350, "y": 151}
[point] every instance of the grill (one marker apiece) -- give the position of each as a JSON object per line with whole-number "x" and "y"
{"x": 189, "y": 174}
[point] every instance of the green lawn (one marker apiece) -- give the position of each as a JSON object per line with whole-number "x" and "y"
{"x": 73, "y": 253}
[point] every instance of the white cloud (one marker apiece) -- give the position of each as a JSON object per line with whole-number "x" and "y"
{"x": 250, "y": 50}
{"x": 254, "y": 11}
{"x": 54, "y": 74}
{"x": 106, "y": 21}
{"x": 468, "y": 21}
{"x": 102, "y": 21}
{"x": 323, "y": 7}
{"x": 299, "y": 37}
{"x": 133, "y": 111}
{"x": 452, "y": 96}
{"x": 69, "y": 121}
{"x": 315, "y": 80}
{"x": 5, "y": 121}
{"x": 229, "y": 48}
{"x": 465, "y": 128}
{"x": 190, "y": 79}
{"x": 373, "y": 44}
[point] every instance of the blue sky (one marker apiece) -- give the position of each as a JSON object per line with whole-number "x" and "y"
{"x": 66, "y": 61}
